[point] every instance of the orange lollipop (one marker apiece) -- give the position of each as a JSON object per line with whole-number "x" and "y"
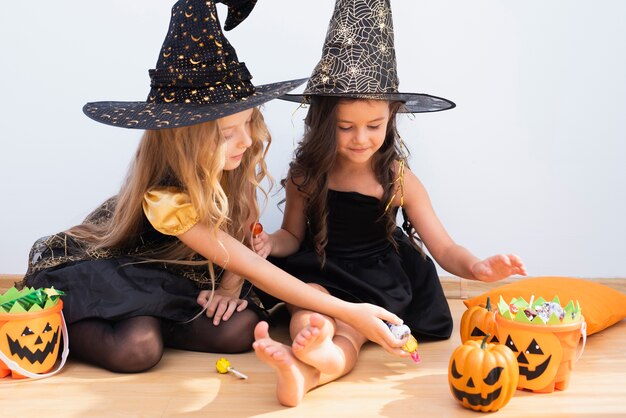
{"x": 256, "y": 228}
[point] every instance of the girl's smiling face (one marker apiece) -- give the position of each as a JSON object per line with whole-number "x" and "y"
{"x": 361, "y": 126}
{"x": 237, "y": 131}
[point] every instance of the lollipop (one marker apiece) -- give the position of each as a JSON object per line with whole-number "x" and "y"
{"x": 256, "y": 228}
{"x": 223, "y": 366}
{"x": 401, "y": 331}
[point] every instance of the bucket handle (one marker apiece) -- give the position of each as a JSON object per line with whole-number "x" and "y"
{"x": 66, "y": 350}
{"x": 583, "y": 332}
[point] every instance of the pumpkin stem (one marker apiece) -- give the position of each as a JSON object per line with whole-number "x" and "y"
{"x": 488, "y": 307}
{"x": 483, "y": 344}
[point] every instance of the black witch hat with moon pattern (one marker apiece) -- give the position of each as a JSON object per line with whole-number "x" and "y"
{"x": 197, "y": 76}
{"x": 359, "y": 59}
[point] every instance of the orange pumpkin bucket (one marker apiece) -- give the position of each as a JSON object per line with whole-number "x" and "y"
{"x": 30, "y": 340}
{"x": 546, "y": 352}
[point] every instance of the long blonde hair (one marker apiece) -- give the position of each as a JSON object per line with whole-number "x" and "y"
{"x": 193, "y": 159}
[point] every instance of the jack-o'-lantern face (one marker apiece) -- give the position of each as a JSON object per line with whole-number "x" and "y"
{"x": 477, "y": 322}
{"x": 33, "y": 343}
{"x": 468, "y": 390}
{"x": 478, "y": 333}
{"x": 483, "y": 377}
{"x": 538, "y": 355}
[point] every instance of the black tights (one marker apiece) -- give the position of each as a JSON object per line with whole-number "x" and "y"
{"x": 136, "y": 344}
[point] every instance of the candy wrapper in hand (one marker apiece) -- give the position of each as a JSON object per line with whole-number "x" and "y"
{"x": 402, "y": 331}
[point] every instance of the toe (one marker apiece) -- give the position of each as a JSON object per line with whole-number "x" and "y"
{"x": 261, "y": 330}
{"x": 317, "y": 320}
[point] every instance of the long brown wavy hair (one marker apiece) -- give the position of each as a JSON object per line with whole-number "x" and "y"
{"x": 193, "y": 159}
{"x": 316, "y": 155}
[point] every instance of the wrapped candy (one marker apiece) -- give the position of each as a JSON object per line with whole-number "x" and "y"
{"x": 540, "y": 311}
{"x": 402, "y": 331}
{"x": 223, "y": 366}
{"x": 547, "y": 309}
{"x": 28, "y": 299}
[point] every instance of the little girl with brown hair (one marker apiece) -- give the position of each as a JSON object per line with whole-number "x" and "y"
{"x": 345, "y": 186}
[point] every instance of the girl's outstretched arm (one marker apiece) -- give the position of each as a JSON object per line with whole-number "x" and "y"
{"x": 449, "y": 255}
{"x": 230, "y": 254}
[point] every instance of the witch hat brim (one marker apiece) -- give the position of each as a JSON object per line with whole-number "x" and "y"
{"x": 413, "y": 102}
{"x": 143, "y": 115}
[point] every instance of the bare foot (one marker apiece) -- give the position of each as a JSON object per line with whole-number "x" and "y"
{"x": 314, "y": 346}
{"x": 294, "y": 377}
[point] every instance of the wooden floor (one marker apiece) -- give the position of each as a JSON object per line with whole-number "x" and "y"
{"x": 185, "y": 384}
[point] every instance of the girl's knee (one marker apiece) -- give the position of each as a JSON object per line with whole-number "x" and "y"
{"x": 352, "y": 335}
{"x": 137, "y": 352}
{"x": 237, "y": 334}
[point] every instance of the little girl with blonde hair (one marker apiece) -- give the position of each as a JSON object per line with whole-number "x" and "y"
{"x": 175, "y": 238}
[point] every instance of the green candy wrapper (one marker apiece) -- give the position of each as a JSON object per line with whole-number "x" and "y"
{"x": 28, "y": 299}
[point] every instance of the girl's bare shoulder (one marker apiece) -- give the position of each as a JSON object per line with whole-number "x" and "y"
{"x": 297, "y": 185}
{"x": 414, "y": 190}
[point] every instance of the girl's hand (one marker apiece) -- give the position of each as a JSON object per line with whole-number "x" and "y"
{"x": 498, "y": 267}
{"x": 222, "y": 306}
{"x": 262, "y": 244}
{"x": 368, "y": 320}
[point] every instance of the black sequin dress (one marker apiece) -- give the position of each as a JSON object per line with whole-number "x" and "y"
{"x": 362, "y": 266}
{"x": 117, "y": 284}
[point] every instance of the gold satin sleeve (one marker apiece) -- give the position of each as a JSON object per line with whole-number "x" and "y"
{"x": 169, "y": 210}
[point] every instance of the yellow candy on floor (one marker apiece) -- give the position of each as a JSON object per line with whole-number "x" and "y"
{"x": 222, "y": 365}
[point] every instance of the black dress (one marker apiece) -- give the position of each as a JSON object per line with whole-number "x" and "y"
{"x": 363, "y": 266}
{"x": 117, "y": 284}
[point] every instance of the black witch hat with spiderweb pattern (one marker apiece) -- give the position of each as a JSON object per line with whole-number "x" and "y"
{"x": 359, "y": 59}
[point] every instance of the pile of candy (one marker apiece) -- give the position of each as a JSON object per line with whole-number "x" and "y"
{"x": 539, "y": 311}
{"x": 28, "y": 299}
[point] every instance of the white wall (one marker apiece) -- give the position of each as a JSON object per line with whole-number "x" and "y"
{"x": 530, "y": 161}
